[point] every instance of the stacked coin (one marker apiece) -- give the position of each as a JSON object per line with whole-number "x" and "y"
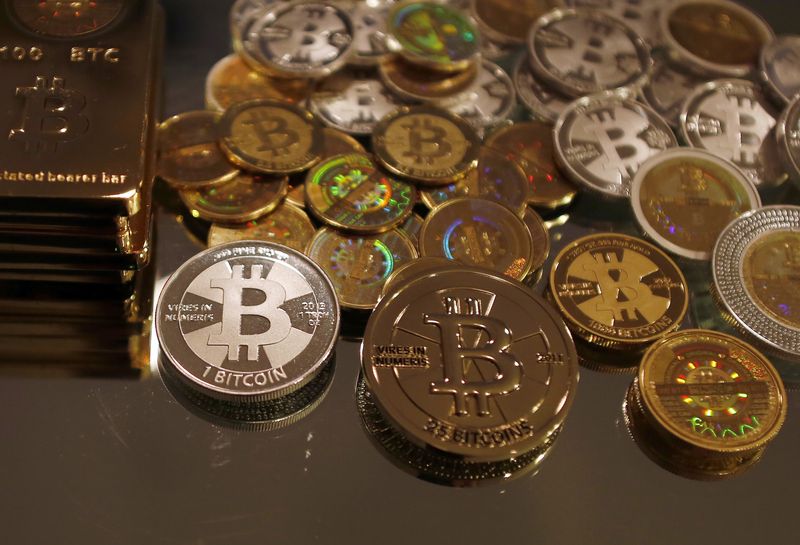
{"x": 467, "y": 376}
{"x": 705, "y": 404}
{"x": 76, "y": 186}
{"x": 247, "y": 332}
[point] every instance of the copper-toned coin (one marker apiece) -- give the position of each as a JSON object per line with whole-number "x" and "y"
{"x": 433, "y": 35}
{"x": 540, "y": 236}
{"x": 189, "y": 155}
{"x": 713, "y": 392}
{"x": 242, "y": 199}
{"x": 415, "y": 269}
{"x": 286, "y": 225}
{"x": 426, "y": 144}
{"x": 231, "y": 81}
{"x": 508, "y": 21}
{"x": 421, "y": 84}
{"x": 530, "y": 144}
{"x": 348, "y": 192}
{"x": 714, "y": 37}
{"x": 270, "y": 137}
{"x": 479, "y": 233}
{"x": 496, "y": 179}
{"x": 471, "y": 364}
{"x": 618, "y": 291}
{"x": 684, "y": 198}
{"x": 359, "y": 266}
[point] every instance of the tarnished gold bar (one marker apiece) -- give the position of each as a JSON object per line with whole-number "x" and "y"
{"x": 79, "y": 93}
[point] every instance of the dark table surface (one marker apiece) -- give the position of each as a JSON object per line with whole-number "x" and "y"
{"x": 117, "y": 462}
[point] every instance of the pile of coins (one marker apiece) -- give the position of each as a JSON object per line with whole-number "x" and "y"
{"x": 76, "y": 203}
{"x": 411, "y": 149}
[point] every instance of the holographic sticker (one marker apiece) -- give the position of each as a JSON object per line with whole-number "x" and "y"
{"x": 244, "y": 198}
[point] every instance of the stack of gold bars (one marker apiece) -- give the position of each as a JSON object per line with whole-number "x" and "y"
{"x": 412, "y": 149}
{"x": 81, "y": 87}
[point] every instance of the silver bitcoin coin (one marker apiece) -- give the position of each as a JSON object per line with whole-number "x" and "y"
{"x": 668, "y": 87}
{"x": 540, "y": 100}
{"x": 242, "y": 9}
{"x": 641, "y": 15}
{"x": 369, "y": 39}
{"x": 734, "y": 120}
{"x": 353, "y": 101}
{"x": 580, "y": 52}
{"x": 755, "y": 268}
{"x": 297, "y": 40}
{"x": 788, "y": 137}
{"x": 490, "y": 99}
{"x": 602, "y": 140}
{"x": 780, "y": 67}
{"x": 247, "y": 321}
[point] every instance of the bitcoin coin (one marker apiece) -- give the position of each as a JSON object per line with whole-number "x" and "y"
{"x": 788, "y": 138}
{"x": 426, "y": 144}
{"x": 779, "y": 65}
{"x": 755, "y": 268}
{"x": 369, "y": 38}
{"x": 296, "y": 40}
{"x": 540, "y": 236}
{"x": 422, "y": 85}
{"x": 496, "y": 179}
{"x": 712, "y": 391}
{"x": 508, "y": 21}
{"x": 433, "y": 35}
{"x": 479, "y": 233}
{"x": 667, "y": 89}
{"x": 348, "y": 192}
{"x": 189, "y": 155}
{"x": 488, "y": 101}
{"x": 353, "y": 102}
{"x": 270, "y": 137}
{"x": 470, "y": 364}
{"x": 231, "y": 81}
{"x": 684, "y": 198}
{"x": 494, "y": 50}
{"x": 539, "y": 99}
{"x": 714, "y": 37}
{"x": 734, "y": 120}
{"x": 286, "y": 225}
{"x": 412, "y": 270}
{"x": 642, "y": 17}
{"x": 245, "y": 198}
{"x": 335, "y": 142}
{"x": 412, "y": 227}
{"x": 580, "y": 52}
{"x": 530, "y": 145}
{"x": 618, "y": 291}
{"x": 602, "y": 140}
{"x": 297, "y": 195}
{"x": 359, "y": 266}
{"x": 247, "y": 321}
{"x": 67, "y": 19}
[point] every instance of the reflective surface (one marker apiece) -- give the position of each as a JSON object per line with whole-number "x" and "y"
{"x": 120, "y": 462}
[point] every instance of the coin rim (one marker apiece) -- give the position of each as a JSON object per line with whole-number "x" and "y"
{"x": 781, "y": 134}
{"x": 253, "y": 214}
{"x": 764, "y": 61}
{"x": 297, "y": 212}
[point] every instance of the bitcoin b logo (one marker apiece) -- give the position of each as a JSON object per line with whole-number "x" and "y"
{"x": 53, "y": 115}
{"x": 468, "y": 336}
{"x": 616, "y": 131}
{"x": 273, "y": 132}
{"x": 234, "y": 311}
{"x": 426, "y": 142}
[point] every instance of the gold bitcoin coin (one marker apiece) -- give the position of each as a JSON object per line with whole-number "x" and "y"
{"x": 286, "y": 225}
{"x": 496, "y": 179}
{"x": 478, "y": 233}
{"x": 419, "y": 84}
{"x": 189, "y": 155}
{"x": 618, "y": 291}
{"x": 270, "y": 137}
{"x": 415, "y": 269}
{"x": 712, "y": 391}
{"x": 540, "y": 236}
{"x": 231, "y": 81}
{"x": 335, "y": 142}
{"x": 242, "y": 199}
{"x": 434, "y": 35}
{"x": 426, "y": 144}
{"x": 348, "y": 192}
{"x": 359, "y": 266}
{"x": 412, "y": 227}
{"x": 297, "y": 195}
{"x": 715, "y": 37}
{"x": 509, "y": 21}
{"x": 530, "y": 144}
